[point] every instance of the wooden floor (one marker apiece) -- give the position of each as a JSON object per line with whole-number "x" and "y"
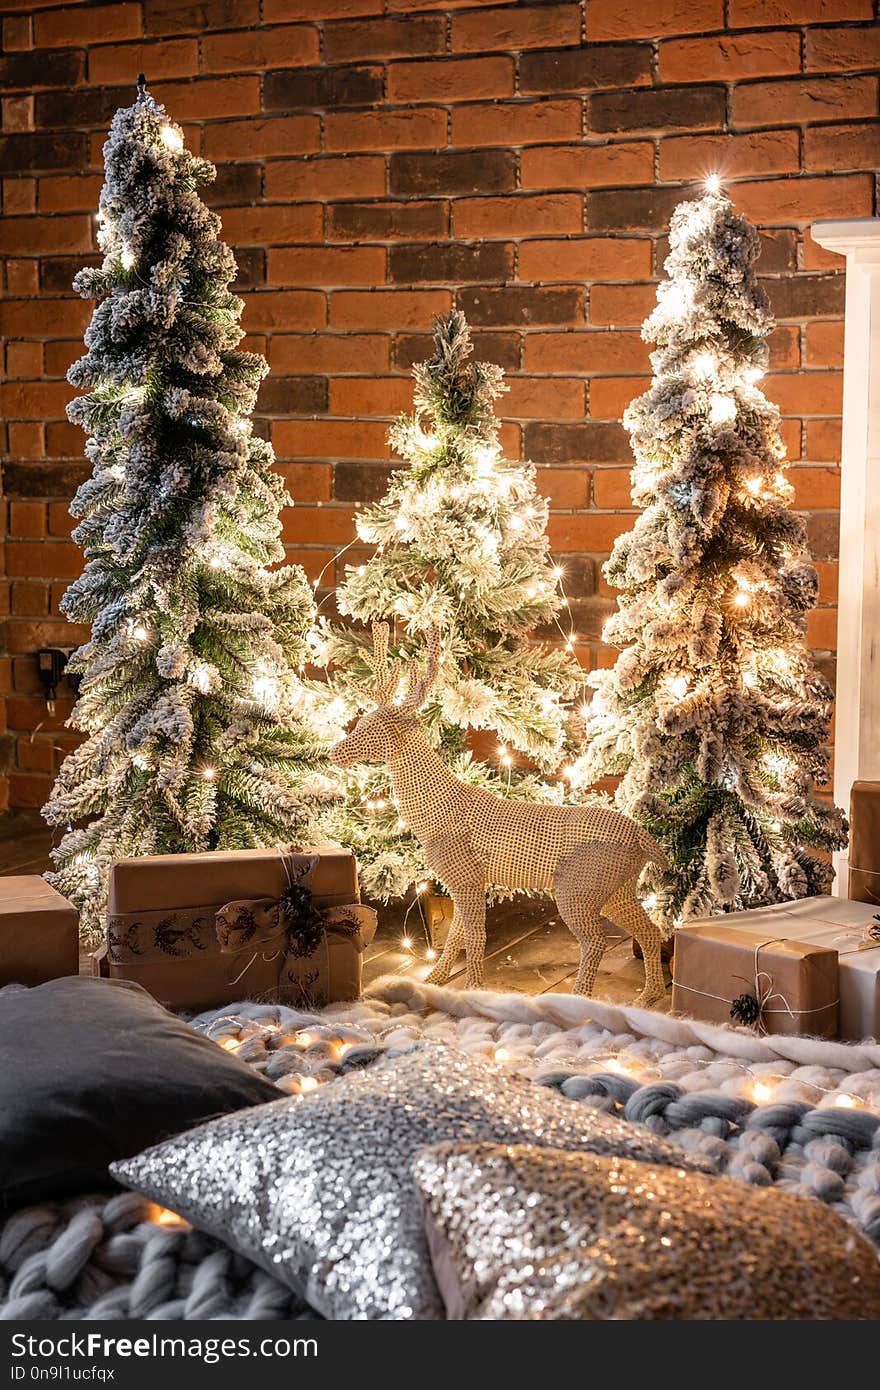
{"x": 528, "y": 950}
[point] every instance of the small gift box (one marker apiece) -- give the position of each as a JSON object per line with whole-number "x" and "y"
{"x": 750, "y": 974}
{"x": 864, "y": 843}
{"x": 39, "y": 932}
{"x": 852, "y": 929}
{"x": 203, "y": 930}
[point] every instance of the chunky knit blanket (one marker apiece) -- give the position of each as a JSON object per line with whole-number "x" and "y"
{"x": 797, "y": 1113}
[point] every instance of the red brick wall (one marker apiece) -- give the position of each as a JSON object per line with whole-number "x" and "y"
{"x": 380, "y": 160}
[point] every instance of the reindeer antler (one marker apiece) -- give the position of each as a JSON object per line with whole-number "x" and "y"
{"x": 386, "y": 677}
{"x": 418, "y": 689}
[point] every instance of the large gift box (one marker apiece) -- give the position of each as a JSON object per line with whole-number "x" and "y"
{"x": 203, "y": 930}
{"x": 736, "y": 969}
{"x": 864, "y": 843}
{"x": 39, "y": 932}
{"x": 849, "y": 928}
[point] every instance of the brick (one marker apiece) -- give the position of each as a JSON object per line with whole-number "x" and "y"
{"x": 778, "y": 251}
{"x": 117, "y": 62}
{"x": 176, "y": 17}
{"x": 610, "y": 395}
{"x": 24, "y": 360}
{"x": 805, "y": 393}
{"x": 359, "y": 482}
{"x": 587, "y": 352}
{"x": 827, "y": 583}
{"x": 268, "y": 135}
{"x": 327, "y": 265}
{"x": 70, "y": 193}
{"x": 17, "y": 33}
{"x": 816, "y": 257}
{"x": 353, "y": 439}
{"x": 341, "y": 177}
{"x": 419, "y": 129}
{"x": 38, "y": 559}
{"x": 825, "y": 344}
{"x": 823, "y": 535}
{"x": 491, "y": 306}
{"x": 822, "y": 629}
{"x": 593, "y": 443}
{"x": 728, "y": 57}
{"x": 384, "y": 38}
{"x": 289, "y": 45}
{"x": 26, "y": 441}
{"x": 483, "y": 171}
{"x": 658, "y": 108}
{"x": 804, "y": 99}
{"x": 284, "y": 309}
{"x": 765, "y": 152}
{"x": 18, "y": 113}
{"x": 24, "y": 479}
{"x": 89, "y": 106}
{"x": 32, "y": 153}
{"x": 84, "y": 24}
{"x": 22, "y": 277}
{"x": 234, "y": 185}
{"x": 586, "y": 69}
{"x": 585, "y": 258}
{"x": 26, "y": 712}
{"x": 612, "y": 488}
{"x": 63, "y": 439}
{"x": 59, "y": 355}
{"x": 39, "y": 317}
{"x": 784, "y": 347}
{"x": 747, "y": 13}
{"x": 830, "y": 50}
{"x": 210, "y": 97}
{"x": 588, "y": 166}
{"x": 823, "y": 440}
{"x": 262, "y": 226}
{"x": 621, "y": 304}
{"x": 842, "y": 146}
{"x": 35, "y": 754}
{"x": 592, "y": 532}
{"x": 630, "y": 208}
{"x": 326, "y": 352}
{"x": 19, "y": 195}
{"x": 608, "y": 19}
{"x": 61, "y": 523}
{"x": 57, "y": 272}
{"x": 293, "y": 395}
{"x": 501, "y": 348}
{"x": 27, "y": 520}
{"x": 28, "y": 791}
{"x": 34, "y": 400}
{"x": 806, "y": 199}
{"x": 450, "y": 79}
{"x": 450, "y": 263}
{"x": 378, "y": 396}
{"x": 513, "y": 123}
{"x": 806, "y": 296}
{"x": 388, "y": 221}
{"x": 322, "y": 87}
{"x": 285, "y": 10}
{"x": 387, "y": 308}
{"x": 815, "y": 487}
{"x": 307, "y": 482}
{"x": 35, "y": 234}
{"x": 537, "y": 398}
{"x": 517, "y": 27}
{"x": 564, "y": 488}
{"x": 520, "y": 215}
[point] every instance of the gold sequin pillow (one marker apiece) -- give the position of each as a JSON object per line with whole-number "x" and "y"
{"x": 520, "y": 1232}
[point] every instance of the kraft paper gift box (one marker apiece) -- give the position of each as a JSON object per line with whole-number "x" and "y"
{"x": 778, "y": 985}
{"x": 847, "y": 927}
{"x": 39, "y": 932}
{"x": 165, "y": 928}
{"x": 864, "y": 843}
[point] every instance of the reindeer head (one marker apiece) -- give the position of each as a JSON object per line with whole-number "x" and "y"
{"x": 380, "y": 733}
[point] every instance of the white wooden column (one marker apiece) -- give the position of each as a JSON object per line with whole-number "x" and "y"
{"x": 857, "y": 724}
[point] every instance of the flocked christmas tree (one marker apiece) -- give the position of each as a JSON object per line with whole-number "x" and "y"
{"x": 189, "y": 688}
{"x": 714, "y": 713}
{"x": 461, "y": 543}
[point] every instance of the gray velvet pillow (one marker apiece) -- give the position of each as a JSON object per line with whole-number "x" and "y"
{"x": 526, "y": 1233}
{"x": 320, "y": 1191}
{"x": 91, "y": 1071}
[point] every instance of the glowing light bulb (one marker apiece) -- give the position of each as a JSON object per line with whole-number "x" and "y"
{"x": 741, "y": 598}
{"x": 401, "y": 522}
{"x": 127, "y": 258}
{"x": 557, "y": 572}
{"x": 753, "y": 374}
{"x": 750, "y": 679}
{"x": 706, "y": 363}
{"x": 677, "y": 686}
{"x": 585, "y": 711}
{"x": 422, "y": 887}
{"x": 762, "y": 1091}
{"x": 303, "y": 1040}
{"x": 650, "y": 902}
{"x": 567, "y": 771}
{"x": 516, "y": 523}
{"x": 430, "y": 954}
{"x": 501, "y": 1054}
{"x": 506, "y": 760}
{"x": 845, "y": 1101}
{"x": 713, "y": 184}
{"x": 171, "y": 138}
{"x": 721, "y": 409}
{"x": 308, "y": 1083}
{"x": 140, "y": 633}
{"x": 615, "y": 1065}
{"x": 406, "y": 943}
{"x": 401, "y": 825}
{"x": 209, "y": 773}
{"x": 265, "y": 689}
{"x": 215, "y": 562}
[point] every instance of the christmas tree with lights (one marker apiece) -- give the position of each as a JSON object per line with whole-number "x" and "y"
{"x": 189, "y": 688}
{"x": 714, "y": 715}
{"x": 460, "y": 543}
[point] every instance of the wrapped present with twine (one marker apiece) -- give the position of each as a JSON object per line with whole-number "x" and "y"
{"x": 726, "y": 973}
{"x": 39, "y": 932}
{"x": 200, "y": 931}
{"x": 852, "y": 929}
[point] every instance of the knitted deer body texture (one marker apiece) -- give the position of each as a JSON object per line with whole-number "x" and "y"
{"x": 588, "y": 857}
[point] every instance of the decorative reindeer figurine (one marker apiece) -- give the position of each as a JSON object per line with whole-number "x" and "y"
{"x": 588, "y": 857}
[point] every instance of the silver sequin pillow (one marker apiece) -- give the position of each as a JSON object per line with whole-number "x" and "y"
{"x": 320, "y": 1190}
{"x": 520, "y": 1232}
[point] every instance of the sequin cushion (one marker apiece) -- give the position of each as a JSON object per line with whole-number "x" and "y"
{"x": 521, "y": 1232}
{"x": 320, "y": 1190}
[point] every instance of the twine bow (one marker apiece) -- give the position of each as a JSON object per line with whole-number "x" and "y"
{"x": 749, "y": 1008}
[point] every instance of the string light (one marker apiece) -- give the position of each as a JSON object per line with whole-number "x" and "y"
{"x": 128, "y": 258}
{"x": 706, "y": 363}
{"x": 140, "y": 633}
{"x": 753, "y": 374}
{"x": 430, "y": 953}
{"x": 209, "y": 773}
{"x": 406, "y": 943}
{"x": 557, "y": 572}
{"x": 754, "y": 485}
{"x": 171, "y": 138}
{"x": 721, "y": 409}
{"x": 308, "y": 1083}
{"x": 713, "y": 184}
{"x": 677, "y": 687}
{"x": 303, "y": 1039}
{"x": 762, "y": 1091}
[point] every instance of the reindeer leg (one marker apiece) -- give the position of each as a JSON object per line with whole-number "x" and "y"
{"x": 584, "y": 925}
{"x": 470, "y": 905}
{"x": 449, "y": 955}
{"x": 624, "y": 908}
